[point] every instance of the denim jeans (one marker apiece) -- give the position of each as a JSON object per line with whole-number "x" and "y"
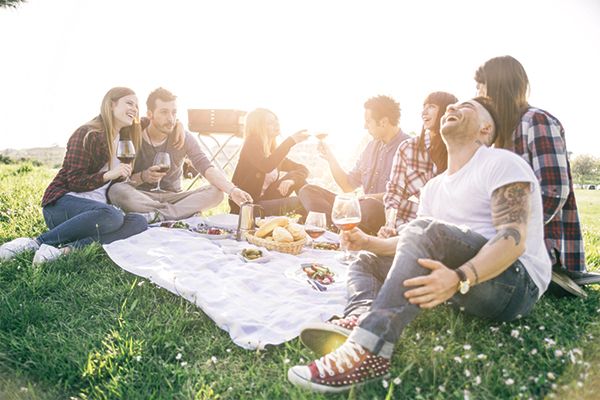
{"x": 316, "y": 198}
{"x": 78, "y": 222}
{"x": 376, "y": 290}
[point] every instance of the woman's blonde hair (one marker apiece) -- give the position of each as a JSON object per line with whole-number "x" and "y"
{"x": 105, "y": 123}
{"x": 255, "y": 126}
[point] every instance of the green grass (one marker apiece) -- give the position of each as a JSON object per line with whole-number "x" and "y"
{"x": 82, "y": 327}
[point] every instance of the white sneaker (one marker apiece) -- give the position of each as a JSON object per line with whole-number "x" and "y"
{"x": 17, "y": 246}
{"x": 46, "y": 253}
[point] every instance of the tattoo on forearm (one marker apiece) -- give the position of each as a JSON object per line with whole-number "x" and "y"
{"x": 510, "y": 204}
{"x": 505, "y": 233}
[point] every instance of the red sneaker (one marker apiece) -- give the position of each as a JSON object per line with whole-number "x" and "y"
{"x": 325, "y": 337}
{"x": 349, "y": 365}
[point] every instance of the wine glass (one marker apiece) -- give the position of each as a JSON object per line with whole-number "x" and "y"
{"x": 163, "y": 161}
{"x": 321, "y": 135}
{"x": 315, "y": 224}
{"x": 346, "y": 215}
{"x": 125, "y": 153}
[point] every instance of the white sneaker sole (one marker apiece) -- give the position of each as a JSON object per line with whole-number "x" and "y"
{"x": 323, "y": 338}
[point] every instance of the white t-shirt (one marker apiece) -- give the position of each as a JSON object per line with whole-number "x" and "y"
{"x": 464, "y": 199}
{"x": 99, "y": 194}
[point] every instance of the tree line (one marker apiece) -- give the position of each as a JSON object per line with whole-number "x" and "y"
{"x": 585, "y": 169}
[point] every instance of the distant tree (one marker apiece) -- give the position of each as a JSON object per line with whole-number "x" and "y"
{"x": 585, "y": 168}
{"x": 10, "y": 3}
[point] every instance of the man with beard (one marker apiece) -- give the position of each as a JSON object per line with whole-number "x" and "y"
{"x": 170, "y": 203}
{"x": 478, "y": 241}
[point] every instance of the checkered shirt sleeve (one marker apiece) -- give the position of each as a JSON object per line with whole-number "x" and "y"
{"x": 410, "y": 172}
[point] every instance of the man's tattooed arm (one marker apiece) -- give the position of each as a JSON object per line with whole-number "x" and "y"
{"x": 510, "y": 211}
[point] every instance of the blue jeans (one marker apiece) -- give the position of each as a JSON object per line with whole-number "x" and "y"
{"x": 376, "y": 290}
{"x": 79, "y": 222}
{"x": 316, "y": 198}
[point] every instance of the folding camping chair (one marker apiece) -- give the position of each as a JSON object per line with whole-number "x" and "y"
{"x": 211, "y": 123}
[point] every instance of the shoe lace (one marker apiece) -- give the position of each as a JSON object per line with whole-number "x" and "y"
{"x": 341, "y": 356}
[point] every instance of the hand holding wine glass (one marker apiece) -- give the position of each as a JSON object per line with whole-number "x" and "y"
{"x": 315, "y": 224}
{"x": 163, "y": 161}
{"x": 125, "y": 153}
{"x": 345, "y": 214}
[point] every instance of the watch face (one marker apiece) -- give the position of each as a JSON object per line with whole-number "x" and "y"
{"x": 464, "y": 287}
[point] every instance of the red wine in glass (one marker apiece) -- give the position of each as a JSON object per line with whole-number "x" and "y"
{"x": 163, "y": 168}
{"x": 125, "y": 153}
{"x": 163, "y": 161}
{"x": 315, "y": 224}
{"x": 314, "y": 232}
{"x": 126, "y": 159}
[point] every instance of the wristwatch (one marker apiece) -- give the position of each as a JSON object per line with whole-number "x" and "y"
{"x": 463, "y": 282}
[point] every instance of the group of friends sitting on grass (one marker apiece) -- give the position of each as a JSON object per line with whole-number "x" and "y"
{"x": 486, "y": 214}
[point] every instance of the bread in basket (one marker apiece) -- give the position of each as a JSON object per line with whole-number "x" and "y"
{"x": 279, "y": 234}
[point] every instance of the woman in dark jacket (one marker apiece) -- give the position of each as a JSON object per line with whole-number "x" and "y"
{"x": 263, "y": 169}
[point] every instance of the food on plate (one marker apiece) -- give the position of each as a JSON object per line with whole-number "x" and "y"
{"x": 326, "y": 246}
{"x": 180, "y": 225}
{"x": 252, "y": 254}
{"x": 318, "y": 272}
{"x": 270, "y": 225}
{"x": 296, "y": 230}
{"x": 282, "y": 235}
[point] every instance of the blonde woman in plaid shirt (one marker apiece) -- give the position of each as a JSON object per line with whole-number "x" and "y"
{"x": 539, "y": 138}
{"x": 417, "y": 160}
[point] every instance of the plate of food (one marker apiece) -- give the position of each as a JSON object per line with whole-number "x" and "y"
{"x": 317, "y": 275}
{"x": 326, "y": 246}
{"x": 211, "y": 232}
{"x": 254, "y": 254}
{"x": 174, "y": 225}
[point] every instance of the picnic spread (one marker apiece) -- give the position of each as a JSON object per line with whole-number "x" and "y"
{"x": 260, "y": 297}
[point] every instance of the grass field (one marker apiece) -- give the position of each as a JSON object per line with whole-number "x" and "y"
{"x": 82, "y": 328}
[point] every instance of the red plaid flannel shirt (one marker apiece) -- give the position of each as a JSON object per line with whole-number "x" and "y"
{"x": 540, "y": 140}
{"x": 410, "y": 172}
{"x": 81, "y": 165}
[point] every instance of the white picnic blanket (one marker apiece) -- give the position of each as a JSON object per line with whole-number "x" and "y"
{"x": 256, "y": 303}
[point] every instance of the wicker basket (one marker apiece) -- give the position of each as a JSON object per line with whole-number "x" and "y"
{"x": 283, "y": 247}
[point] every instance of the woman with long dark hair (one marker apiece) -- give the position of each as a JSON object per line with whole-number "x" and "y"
{"x": 539, "y": 138}
{"x": 417, "y": 160}
{"x": 74, "y": 204}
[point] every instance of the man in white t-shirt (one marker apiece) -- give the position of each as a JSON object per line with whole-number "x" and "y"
{"x": 477, "y": 241}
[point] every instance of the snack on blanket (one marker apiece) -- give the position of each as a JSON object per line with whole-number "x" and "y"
{"x": 296, "y": 230}
{"x": 326, "y": 246}
{"x": 282, "y": 235}
{"x": 252, "y": 254}
{"x": 270, "y": 225}
{"x": 180, "y": 225}
{"x": 279, "y": 234}
{"x": 318, "y": 272}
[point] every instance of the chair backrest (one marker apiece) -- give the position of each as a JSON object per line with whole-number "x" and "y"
{"x": 208, "y": 121}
